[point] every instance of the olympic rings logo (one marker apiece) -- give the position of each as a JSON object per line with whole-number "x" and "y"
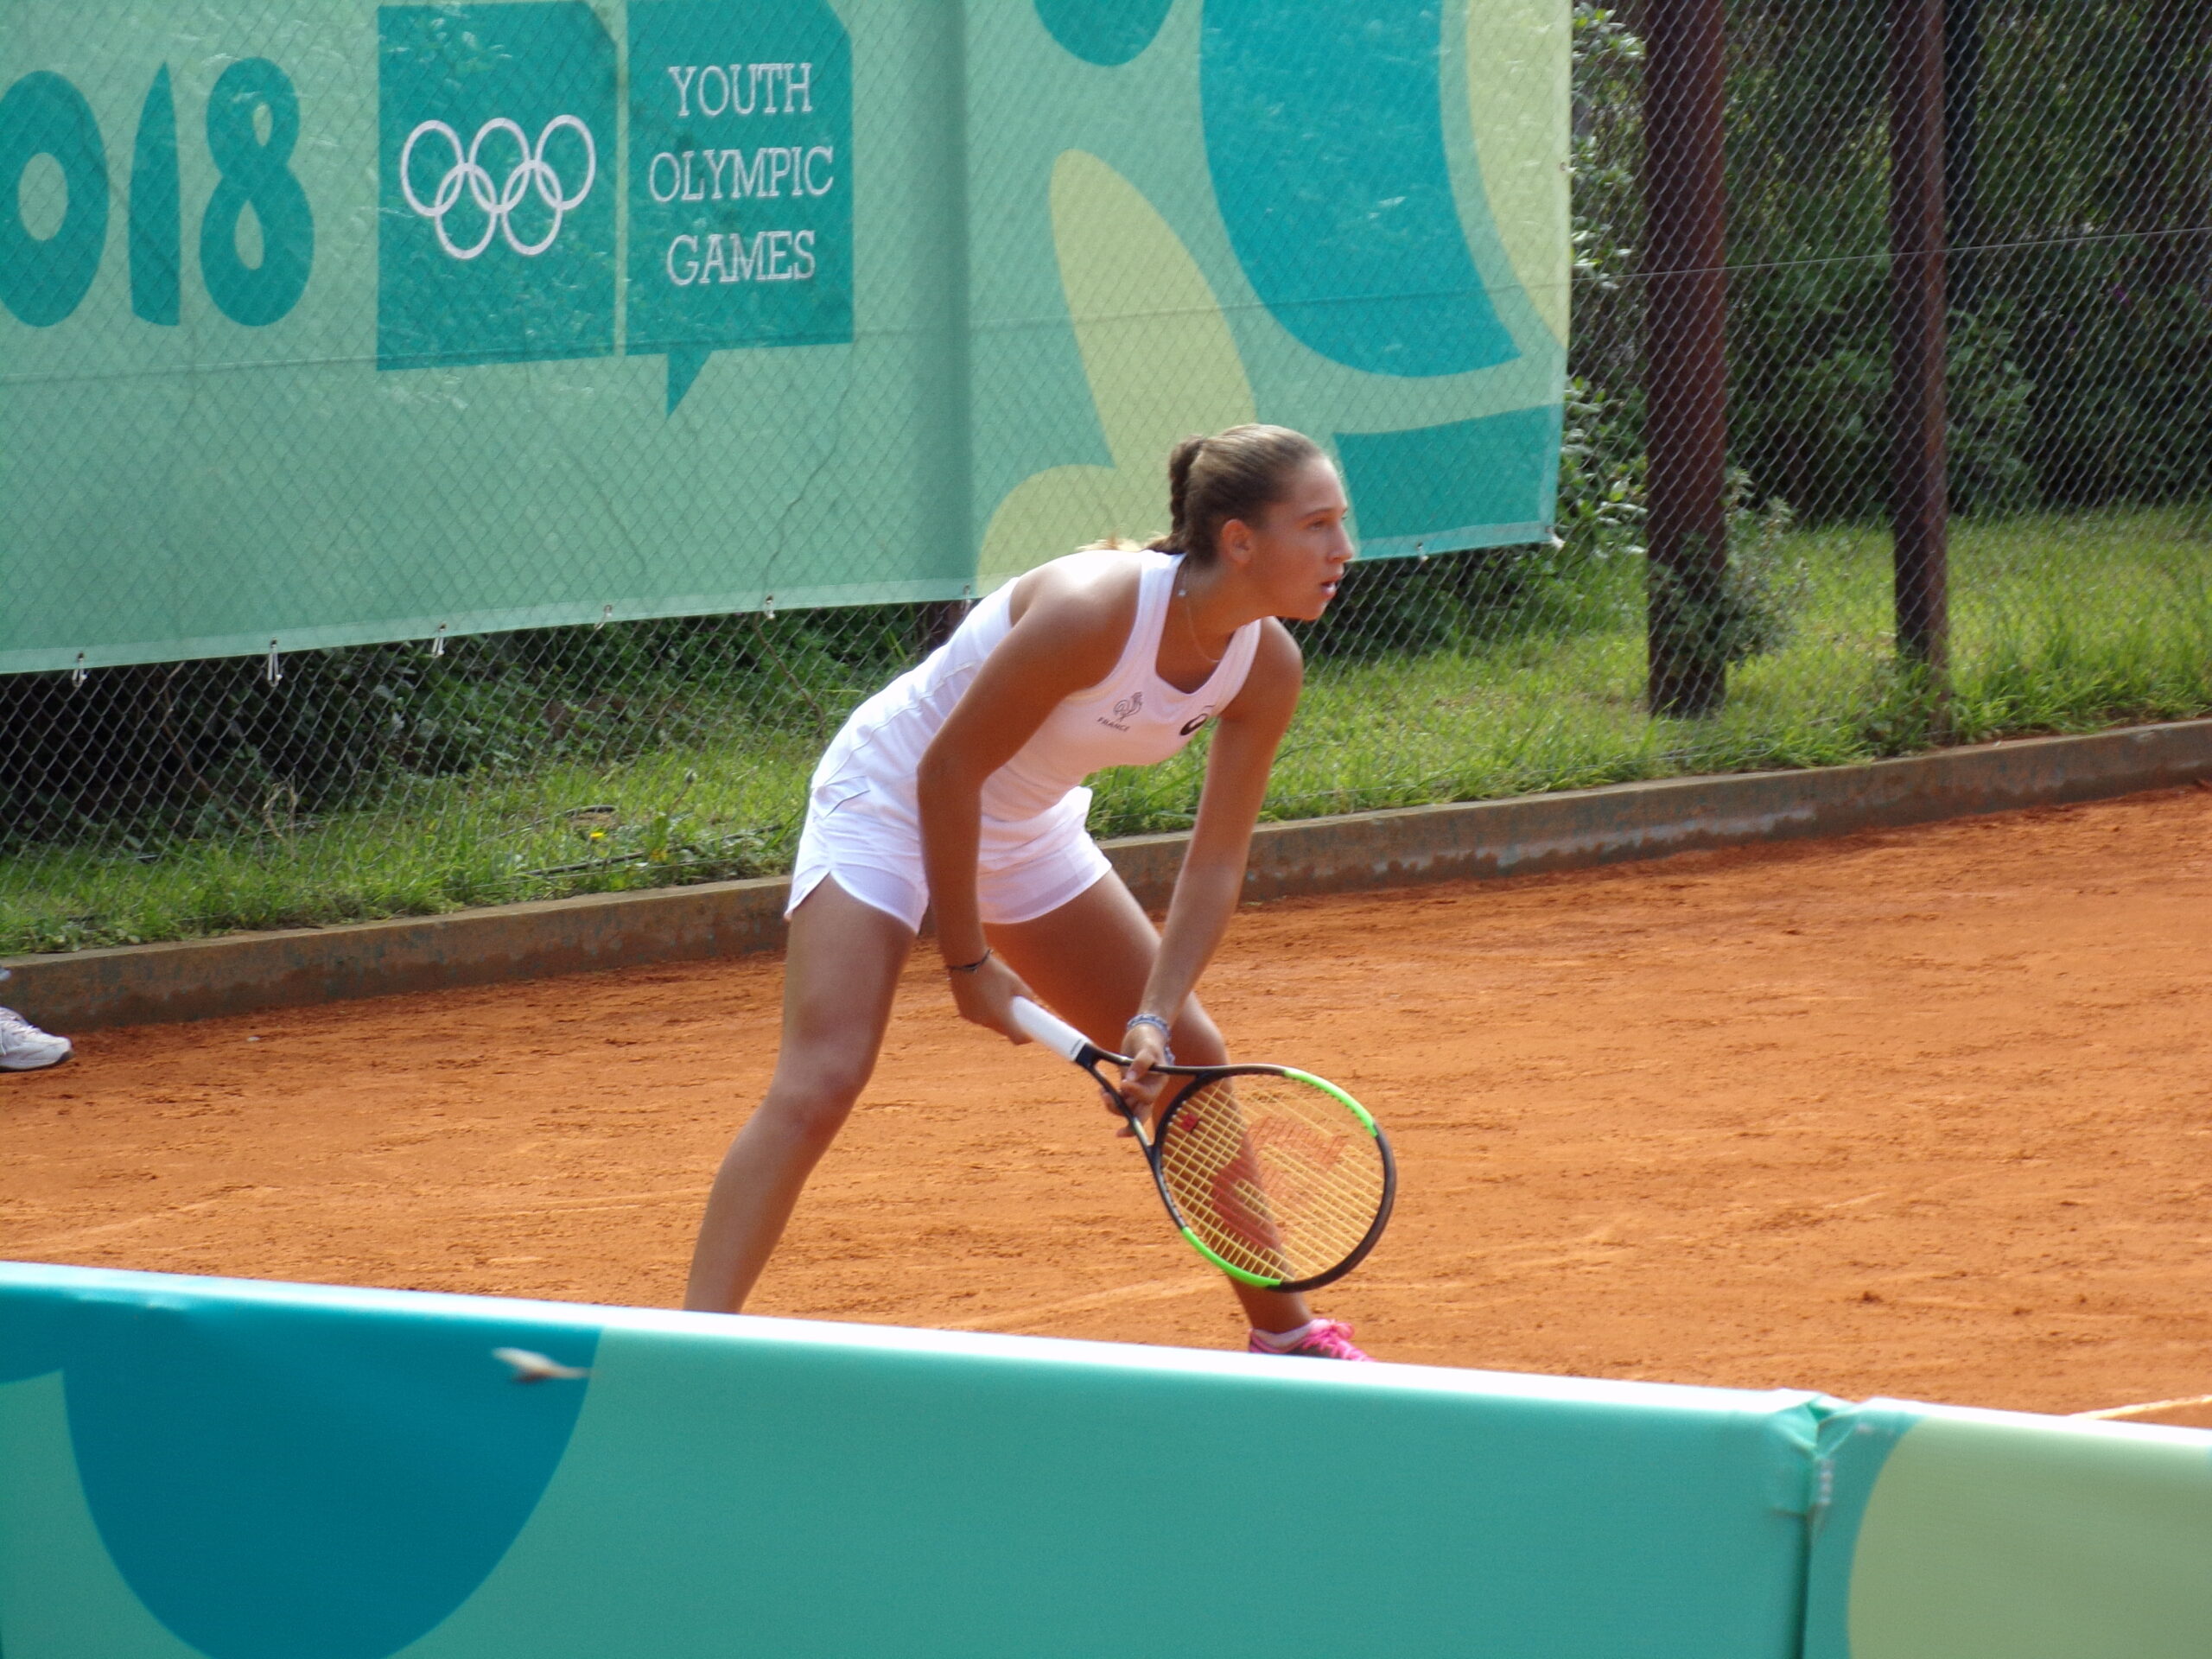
{"x": 530, "y": 172}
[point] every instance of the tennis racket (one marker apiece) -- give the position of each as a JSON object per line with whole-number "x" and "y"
{"x": 1279, "y": 1179}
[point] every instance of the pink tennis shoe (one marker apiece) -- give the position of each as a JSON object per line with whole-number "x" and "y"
{"x": 1316, "y": 1339}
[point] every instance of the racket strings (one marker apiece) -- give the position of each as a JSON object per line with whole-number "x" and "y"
{"x": 1274, "y": 1176}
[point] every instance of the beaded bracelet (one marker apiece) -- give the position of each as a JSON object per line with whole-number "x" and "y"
{"x": 1155, "y": 1023}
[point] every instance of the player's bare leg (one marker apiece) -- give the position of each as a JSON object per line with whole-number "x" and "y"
{"x": 1090, "y": 960}
{"x": 841, "y": 971}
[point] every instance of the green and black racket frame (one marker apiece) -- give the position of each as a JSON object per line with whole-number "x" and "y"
{"x": 1277, "y": 1177}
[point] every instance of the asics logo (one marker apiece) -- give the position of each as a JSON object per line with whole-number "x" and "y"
{"x": 530, "y": 172}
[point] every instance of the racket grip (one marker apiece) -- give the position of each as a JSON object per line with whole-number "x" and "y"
{"x": 1063, "y": 1038}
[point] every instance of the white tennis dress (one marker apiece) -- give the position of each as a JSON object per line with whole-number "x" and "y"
{"x": 863, "y": 825}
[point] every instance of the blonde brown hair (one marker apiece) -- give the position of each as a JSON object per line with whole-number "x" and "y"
{"x": 1238, "y": 474}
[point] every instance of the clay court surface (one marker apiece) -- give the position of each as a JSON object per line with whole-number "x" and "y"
{"x": 1926, "y": 1113}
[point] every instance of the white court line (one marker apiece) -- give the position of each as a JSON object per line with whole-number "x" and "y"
{"x": 2119, "y": 1413}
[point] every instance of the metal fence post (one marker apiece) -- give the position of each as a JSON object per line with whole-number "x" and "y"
{"x": 1686, "y": 353}
{"x": 1919, "y": 508}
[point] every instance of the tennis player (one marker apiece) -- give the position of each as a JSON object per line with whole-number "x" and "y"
{"x": 961, "y": 785}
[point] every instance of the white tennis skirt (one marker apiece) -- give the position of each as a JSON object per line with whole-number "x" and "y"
{"x": 858, "y": 831}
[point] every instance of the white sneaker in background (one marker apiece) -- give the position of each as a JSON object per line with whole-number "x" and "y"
{"x": 24, "y": 1047}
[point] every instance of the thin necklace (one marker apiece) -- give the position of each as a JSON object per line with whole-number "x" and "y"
{"x": 1190, "y": 626}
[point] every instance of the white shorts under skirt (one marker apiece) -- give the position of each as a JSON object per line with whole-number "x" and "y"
{"x": 875, "y": 853}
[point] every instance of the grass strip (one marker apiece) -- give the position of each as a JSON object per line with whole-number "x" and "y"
{"x": 2060, "y": 624}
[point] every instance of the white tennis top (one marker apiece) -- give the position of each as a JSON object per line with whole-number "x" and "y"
{"x": 1131, "y": 718}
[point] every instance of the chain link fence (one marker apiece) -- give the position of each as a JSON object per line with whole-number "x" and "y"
{"x": 169, "y": 800}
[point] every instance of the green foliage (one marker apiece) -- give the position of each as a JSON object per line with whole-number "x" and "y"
{"x": 1993, "y": 420}
{"x": 1601, "y": 509}
{"x": 2081, "y": 288}
{"x": 1607, "y": 226}
{"x": 1752, "y": 609}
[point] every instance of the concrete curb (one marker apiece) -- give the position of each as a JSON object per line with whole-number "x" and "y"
{"x": 1528, "y": 835}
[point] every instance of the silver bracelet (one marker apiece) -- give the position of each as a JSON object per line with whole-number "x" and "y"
{"x": 1157, "y": 1025}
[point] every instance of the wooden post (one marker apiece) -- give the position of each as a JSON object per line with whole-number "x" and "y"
{"x": 1686, "y": 373}
{"x": 1919, "y": 482}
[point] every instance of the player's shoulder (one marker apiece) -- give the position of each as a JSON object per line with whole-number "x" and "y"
{"x": 1092, "y": 587}
{"x": 1278, "y": 644}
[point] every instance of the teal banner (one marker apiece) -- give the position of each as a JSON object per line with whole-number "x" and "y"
{"x": 355, "y": 323}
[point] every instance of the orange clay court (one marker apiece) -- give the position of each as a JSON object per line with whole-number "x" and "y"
{"x": 1925, "y": 1113}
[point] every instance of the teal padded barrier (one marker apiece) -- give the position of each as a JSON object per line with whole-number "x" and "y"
{"x": 244, "y": 1470}
{"x": 1940, "y": 1532}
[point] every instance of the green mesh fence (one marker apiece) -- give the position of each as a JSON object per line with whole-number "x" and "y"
{"x": 573, "y": 560}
